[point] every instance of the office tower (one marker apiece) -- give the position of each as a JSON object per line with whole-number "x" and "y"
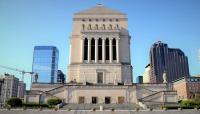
{"x": 45, "y": 63}
{"x": 60, "y": 77}
{"x": 146, "y": 75}
{"x": 171, "y": 60}
{"x": 10, "y": 87}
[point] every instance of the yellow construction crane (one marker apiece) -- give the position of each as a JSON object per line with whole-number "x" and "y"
{"x": 21, "y": 71}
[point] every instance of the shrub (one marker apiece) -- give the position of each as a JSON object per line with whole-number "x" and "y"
{"x": 14, "y": 102}
{"x": 53, "y": 101}
{"x": 34, "y": 105}
{"x": 187, "y": 103}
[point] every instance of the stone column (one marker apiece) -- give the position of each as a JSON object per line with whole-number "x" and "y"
{"x": 117, "y": 50}
{"x": 89, "y": 50}
{"x": 96, "y": 50}
{"x": 110, "y": 50}
{"x": 82, "y": 50}
{"x": 103, "y": 50}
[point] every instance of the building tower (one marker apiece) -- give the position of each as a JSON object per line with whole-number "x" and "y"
{"x": 100, "y": 47}
{"x": 45, "y": 63}
{"x": 171, "y": 60}
{"x": 10, "y": 87}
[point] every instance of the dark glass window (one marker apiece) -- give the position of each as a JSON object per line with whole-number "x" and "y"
{"x": 85, "y": 49}
{"x": 107, "y": 49}
{"x": 114, "y": 49}
{"x": 100, "y": 49}
{"x": 92, "y": 49}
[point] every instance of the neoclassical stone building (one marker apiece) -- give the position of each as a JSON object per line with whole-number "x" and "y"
{"x": 100, "y": 47}
{"x": 100, "y": 70}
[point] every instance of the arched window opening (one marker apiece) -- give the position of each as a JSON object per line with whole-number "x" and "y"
{"x": 92, "y": 49}
{"x": 107, "y": 49}
{"x": 114, "y": 49}
{"x": 83, "y": 26}
{"x": 85, "y": 49}
{"x": 104, "y": 26}
{"x": 110, "y": 26}
{"x": 117, "y": 26}
{"x": 100, "y": 49}
{"x": 96, "y": 26}
{"x": 89, "y": 27}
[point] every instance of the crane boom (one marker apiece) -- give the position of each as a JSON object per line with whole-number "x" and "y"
{"x": 14, "y": 69}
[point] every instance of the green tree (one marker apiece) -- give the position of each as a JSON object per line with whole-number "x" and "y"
{"x": 14, "y": 102}
{"x": 53, "y": 101}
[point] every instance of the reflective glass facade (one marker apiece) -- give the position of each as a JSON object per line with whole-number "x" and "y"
{"x": 45, "y": 63}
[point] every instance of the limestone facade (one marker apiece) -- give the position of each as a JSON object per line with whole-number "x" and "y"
{"x": 100, "y": 43}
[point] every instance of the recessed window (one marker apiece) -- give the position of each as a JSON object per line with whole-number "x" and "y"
{"x": 104, "y": 26}
{"x": 92, "y": 49}
{"x": 104, "y": 20}
{"x": 110, "y": 20}
{"x": 117, "y": 20}
{"x": 107, "y": 49}
{"x": 99, "y": 77}
{"x": 97, "y": 20}
{"x": 107, "y": 100}
{"x": 100, "y": 49}
{"x": 83, "y": 20}
{"x": 121, "y": 100}
{"x": 90, "y": 20}
{"x": 83, "y": 26}
{"x": 85, "y": 49}
{"x": 94, "y": 100}
{"x": 114, "y": 49}
{"x": 81, "y": 100}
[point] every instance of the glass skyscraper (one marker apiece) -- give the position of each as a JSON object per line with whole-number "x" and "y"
{"x": 45, "y": 63}
{"x": 171, "y": 60}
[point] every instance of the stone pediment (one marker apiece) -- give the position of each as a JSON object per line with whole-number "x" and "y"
{"x": 100, "y": 10}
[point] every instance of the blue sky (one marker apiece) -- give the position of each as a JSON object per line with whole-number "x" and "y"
{"x": 26, "y": 23}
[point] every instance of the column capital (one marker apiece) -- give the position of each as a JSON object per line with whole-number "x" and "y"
{"x": 111, "y": 38}
{"x": 103, "y": 38}
{"x": 117, "y": 38}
